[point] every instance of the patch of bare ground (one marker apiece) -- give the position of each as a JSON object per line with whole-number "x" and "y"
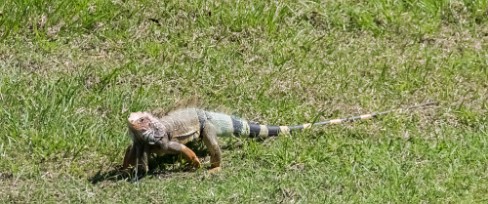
{"x": 451, "y": 39}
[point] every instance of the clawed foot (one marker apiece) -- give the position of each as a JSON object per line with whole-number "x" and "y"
{"x": 196, "y": 163}
{"x": 192, "y": 166}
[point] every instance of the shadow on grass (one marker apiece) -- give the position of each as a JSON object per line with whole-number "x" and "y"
{"x": 158, "y": 166}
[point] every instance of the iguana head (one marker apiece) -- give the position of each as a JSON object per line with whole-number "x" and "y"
{"x": 145, "y": 127}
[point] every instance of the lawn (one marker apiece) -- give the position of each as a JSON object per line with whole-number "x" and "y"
{"x": 72, "y": 71}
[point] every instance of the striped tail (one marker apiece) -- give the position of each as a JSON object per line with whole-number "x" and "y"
{"x": 263, "y": 131}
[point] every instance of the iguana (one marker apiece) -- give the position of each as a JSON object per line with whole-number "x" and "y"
{"x": 170, "y": 133}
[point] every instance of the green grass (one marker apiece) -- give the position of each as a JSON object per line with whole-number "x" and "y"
{"x": 72, "y": 71}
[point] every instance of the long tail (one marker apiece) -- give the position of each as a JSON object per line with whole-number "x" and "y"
{"x": 256, "y": 130}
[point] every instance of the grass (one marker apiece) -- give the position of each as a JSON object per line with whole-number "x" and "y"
{"x": 71, "y": 72}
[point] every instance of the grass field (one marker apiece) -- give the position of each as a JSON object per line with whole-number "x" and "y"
{"x": 72, "y": 71}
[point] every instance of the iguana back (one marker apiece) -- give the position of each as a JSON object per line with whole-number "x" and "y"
{"x": 227, "y": 125}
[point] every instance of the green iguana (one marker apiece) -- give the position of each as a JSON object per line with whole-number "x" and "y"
{"x": 170, "y": 133}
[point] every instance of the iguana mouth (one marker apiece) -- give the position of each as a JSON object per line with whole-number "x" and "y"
{"x": 136, "y": 127}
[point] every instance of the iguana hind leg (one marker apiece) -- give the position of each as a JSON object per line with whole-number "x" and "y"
{"x": 210, "y": 140}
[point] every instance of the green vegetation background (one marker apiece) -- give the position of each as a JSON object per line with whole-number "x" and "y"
{"x": 71, "y": 71}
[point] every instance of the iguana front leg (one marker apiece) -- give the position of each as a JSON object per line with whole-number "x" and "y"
{"x": 209, "y": 135}
{"x": 130, "y": 157}
{"x": 177, "y": 148}
{"x": 142, "y": 157}
{"x": 137, "y": 155}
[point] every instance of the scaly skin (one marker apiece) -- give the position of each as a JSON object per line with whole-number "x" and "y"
{"x": 170, "y": 134}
